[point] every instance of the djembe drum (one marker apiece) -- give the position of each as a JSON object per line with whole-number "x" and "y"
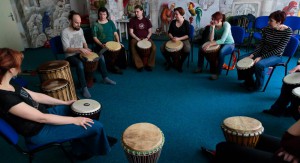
{"x": 245, "y": 68}
{"x": 291, "y": 81}
{"x": 175, "y": 50}
{"x": 114, "y": 49}
{"x": 295, "y": 103}
{"x": 86, "y": 108}
{"x": 55, "y": 70}
{"x": 144, "y": 48}
{"x": 242, "y": 130}
{"x": 57, "y": 88}
{"x": 211, "y": 54}
{"x": 142, "y": 143}
{"x": 90, "y": 65}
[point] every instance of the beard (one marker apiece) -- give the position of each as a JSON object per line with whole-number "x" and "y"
{"x": 76, "y": 28}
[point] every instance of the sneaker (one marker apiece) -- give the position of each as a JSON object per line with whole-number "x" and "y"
{"x": 214, "y": 77}
{"x": 197, "y": 71}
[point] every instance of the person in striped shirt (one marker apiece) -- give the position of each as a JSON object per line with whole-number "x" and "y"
{"x": 275, "y": 37}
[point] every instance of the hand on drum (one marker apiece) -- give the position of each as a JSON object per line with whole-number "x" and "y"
{"x": 83, "y": 121}
{"x": 288, "y": 157}
{"x": 257, "y": 59}
{"x": 70, "y": 102}
{"x": 206, "y": 47}
{"x": 297, "y": 68}
{"x": 86, "y": 51}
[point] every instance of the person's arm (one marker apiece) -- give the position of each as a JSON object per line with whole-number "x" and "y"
{"x": 133, "y": 35}
{"x": 187, "y": 31}
{"x": 27, "y": 112}
{"x": 225, "y": 33}
{"x": 149, "y": 33}
{"x": 68, "y": 49}
{"x": 45, "y": 99}
{"x": 297, "y": 68}
{"x": 116, "y": 36}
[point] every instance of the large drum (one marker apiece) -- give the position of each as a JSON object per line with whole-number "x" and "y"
{"x": 245, "y": 68}
{"x": 55, "y": 70}
{"x": 142, "y": 143}
{"x": 242, "y": 130}
{"x": 175, "y": 50}
{"x": 90, "y": 61}
{"x": 57, "y": 88}
{"x": 211, "y": 54}
{"x": 144, "y": 48}
{"x": 114, "y": 49}
{"x": 86, "y": 108}
{"x": 291, "y": 81}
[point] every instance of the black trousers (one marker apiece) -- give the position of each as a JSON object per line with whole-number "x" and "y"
{"x": 264, "y": 152}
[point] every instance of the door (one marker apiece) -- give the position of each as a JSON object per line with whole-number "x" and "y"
{"x": 10, "y": 36}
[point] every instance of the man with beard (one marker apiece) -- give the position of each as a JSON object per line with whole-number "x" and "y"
{"x": 75, "y": 44}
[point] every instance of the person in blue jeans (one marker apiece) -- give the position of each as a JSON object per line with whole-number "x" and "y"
{"x": 220, "y": 34}
{"x": 26, "y": 112}
{"x": 275, "y": 37}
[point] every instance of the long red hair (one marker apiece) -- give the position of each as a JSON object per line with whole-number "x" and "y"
{"x": 9, "y": 58}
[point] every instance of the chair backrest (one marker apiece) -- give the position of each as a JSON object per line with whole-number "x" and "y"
{"x": 8, "y": 133}
{"x": 191, "y": 34}
{"x": 56, "y": 45}
{"x": 261, "y": 22}
{"x": 238, "y": 34}
{"x": 293, "y": 22}
{"x": 291, "y": 47}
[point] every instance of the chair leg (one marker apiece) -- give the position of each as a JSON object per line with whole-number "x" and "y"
{"x": 269, "y": 79}
{"x": 229, "y": 62}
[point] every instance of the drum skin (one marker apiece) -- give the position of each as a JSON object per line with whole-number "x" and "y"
{"x": 57, "y": 88}
{"x": 86, "y": 108}
{"x": 245, "y": 68}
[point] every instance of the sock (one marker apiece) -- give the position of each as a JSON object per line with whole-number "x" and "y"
{"x": 86, "y": 93}
{"x": 106, "y": 80}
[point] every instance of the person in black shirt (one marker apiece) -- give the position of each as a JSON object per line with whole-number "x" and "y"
{"x": 25, "y": 111}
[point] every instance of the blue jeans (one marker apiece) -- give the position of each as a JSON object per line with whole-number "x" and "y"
{"x": 259, "y": 70}
{"x": 76, "y": 62}
{"x": 226, "y": 49}
{"x": 92, "y": 140}
{"x": 102, "y": 66}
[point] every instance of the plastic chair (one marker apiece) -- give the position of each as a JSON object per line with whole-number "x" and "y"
{"x": 56, "y": 46}
{"x": 294, "y": 23}
{"x": 12, "y": 137}
{"x": 238, "y": 34}
{"x": 191, "y": 38}
{"x": 260, "y": 23}
{"x": 289, "y": 52}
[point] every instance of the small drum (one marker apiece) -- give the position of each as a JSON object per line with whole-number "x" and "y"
{"x": 142, "y": 143}
{"x": 175, "y": 50}
{"x": 295, "y": 103}
{"x": 291, "y": 81}
{"x": 57, "y": 88}
{"x": 114, "y": 49}
{"x": 242, "y": 130}
{"x": 86, "y": 108}
{"x": 245, "y": 68}
{"x": 90, "y": 61}
{"x": 55, "y": 70}
{"x": 211, "y": 54}
{"x": 144, "y": 48}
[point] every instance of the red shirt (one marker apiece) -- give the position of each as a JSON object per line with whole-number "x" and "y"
{"x": 140, "y": 27}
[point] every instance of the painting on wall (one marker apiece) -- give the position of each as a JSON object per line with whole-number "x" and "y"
{"x": 41, "y": 20}
{"x": 241, "y": 8}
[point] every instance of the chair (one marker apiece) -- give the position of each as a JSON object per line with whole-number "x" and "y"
{"x": 191, "y": 38}
{"x": 238, "y": 34}
{"x": 12, "y": 137}
{"x": 294, "y": 23}
{"x": 259, "y": 24}
{"x": 56, "y": 46}
{"x": 289, "y": 52}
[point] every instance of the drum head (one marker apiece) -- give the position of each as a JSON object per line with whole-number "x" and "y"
{"x": 293, "y": 78}
{"x": 54, "y": 84}
{"x": 85, "y": 106}
{"x": 211, "y": 48}
{"x": 142, "y": 137}
{"x": 296, "y": 91}
{"x": 245, "y": 63}
{"x": 172, "y": 46}
{"x": 53, "y": 65}
{"x": 90, "y": 57}
{"x": 242, "y": 124}
{"x": 144, "y": 44}
{"x": 113, "y": 46}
